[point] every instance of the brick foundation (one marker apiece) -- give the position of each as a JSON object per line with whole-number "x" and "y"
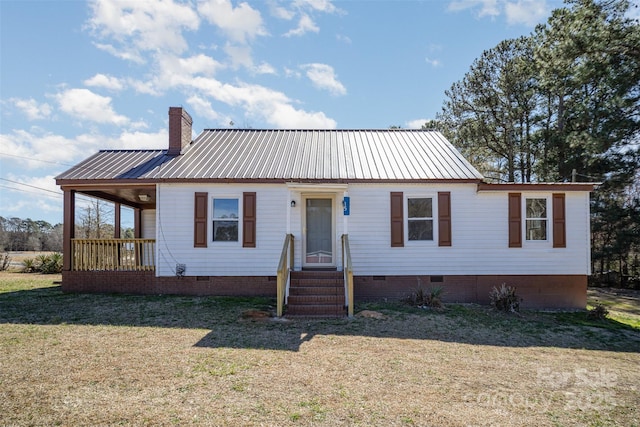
{"x": 537, "y": 292}
{"x": 145, "y": 282}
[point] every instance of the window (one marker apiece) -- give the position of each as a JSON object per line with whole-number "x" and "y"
{"x": 420, "y": 218}
{"x": 225, "y": 220}
{"x": 536, "y": 219}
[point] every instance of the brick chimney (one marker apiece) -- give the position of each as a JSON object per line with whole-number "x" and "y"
{"x": 179, "y": 130}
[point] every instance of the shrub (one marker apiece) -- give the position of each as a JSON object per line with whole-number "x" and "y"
{"x": 28, "y": 265}
{"x": 5, "y": 261}
{"x": 598, "y": 312}
{"x": 431, "y": 297}
{"x": 45, "y": 264}
{"x": 505, "y": 299}
{"x": 52, "y": 264}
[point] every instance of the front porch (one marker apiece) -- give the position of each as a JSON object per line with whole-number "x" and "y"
{"x": 86, "y": 249}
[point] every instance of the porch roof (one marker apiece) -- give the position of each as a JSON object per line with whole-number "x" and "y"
{"x": 287, "y": 155}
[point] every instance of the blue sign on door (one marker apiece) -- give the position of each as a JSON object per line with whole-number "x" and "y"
{"x": 346, "y": 205}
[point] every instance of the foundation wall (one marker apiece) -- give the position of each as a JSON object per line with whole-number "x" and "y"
{"x": 536, "y": 291}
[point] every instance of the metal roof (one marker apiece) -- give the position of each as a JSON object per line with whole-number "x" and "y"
{"x": 288, "y": 155}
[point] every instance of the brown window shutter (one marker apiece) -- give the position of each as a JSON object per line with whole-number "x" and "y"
{"x": 515, "y": 221}
{"x": 397, "y": 219}
{"x": 559, "y": 221}
{"x": 444, "y": 218}
{"x": 200, "y": 220}
{"x": 248, "y": 220}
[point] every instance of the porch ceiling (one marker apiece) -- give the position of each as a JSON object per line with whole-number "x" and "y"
{"x": 141, "y": 197}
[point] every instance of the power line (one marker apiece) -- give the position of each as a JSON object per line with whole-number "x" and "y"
{"x": 55, "y": 193}
{"x": 37, "y": 160}
{"x": 30, "y": 192}
{"x": 32, "y": 186}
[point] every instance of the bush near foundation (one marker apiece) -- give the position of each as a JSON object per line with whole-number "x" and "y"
{"x": 505, "y": 299}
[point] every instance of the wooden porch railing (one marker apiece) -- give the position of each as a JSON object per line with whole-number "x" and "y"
{"x": 284, "y": 267}
{"x": 113, "y": 254}
{"x": 348, "y": 273}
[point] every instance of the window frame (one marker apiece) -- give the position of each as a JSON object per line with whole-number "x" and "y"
{"x": 432, "y": 218}
{"x": 546, "y": 219}
{"x": 237, "y": 220}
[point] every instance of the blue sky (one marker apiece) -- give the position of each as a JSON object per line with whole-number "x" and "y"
{"x": 76, "y": 77}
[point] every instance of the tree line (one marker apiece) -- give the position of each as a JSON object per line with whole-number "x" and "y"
{"x": 17, "y": 234}
{"x": 562, "y": 105}
{"x": 94, "y": 221}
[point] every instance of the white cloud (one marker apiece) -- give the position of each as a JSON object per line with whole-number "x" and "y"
{"x": 172, "y": 71}
{"x": 305, "y": 25}
{"x": 142, "y": 25}
{"x": 265, "y": 68}
{"x": 344, "y": 39}
{"x": 267, "y": 104}
{"x": 416, "y": 124}
{"x": 86, "y": 105}
{"x": 240, "y": 56}
{"x": 105, "y": 81}
{"x": 38, "y": 194}
{"x": 203, "y": 108}
{"x": 487, "y": 7}
{"x": 288, "y": 72}
{"x": 36, "y": 144}
{"x": 139, "y": 140}
{"x": 283, "y": 13}
{"x": 323, "y": 77}
{"x": 285, "y": 116}
{"x": 433, "y": 62}
{"x": 128, "y": 54}
{"x": 201, "y": 64}
{"x": 527, "y": 12}
{"x": 241, "y": 24}
{"x": 46, "y": 183}
{"x": 320, "y": 5}
{"x": 32, "y": 109}
{"x": 144, "y": 86}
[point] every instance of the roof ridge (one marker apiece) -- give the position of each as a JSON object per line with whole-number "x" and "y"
{"x": 320, "y": 130}
{"x": 107, "y": 150}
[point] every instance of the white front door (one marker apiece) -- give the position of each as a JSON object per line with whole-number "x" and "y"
{"x": 318, "y": 236}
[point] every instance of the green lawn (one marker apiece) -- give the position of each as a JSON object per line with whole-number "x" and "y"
{"x": 80, "y": 359}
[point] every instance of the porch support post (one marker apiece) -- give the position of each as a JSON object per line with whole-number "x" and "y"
{"x": 117, "y": 227}
{"x": 68, "y": 228}
{"x": 137, "y": 223}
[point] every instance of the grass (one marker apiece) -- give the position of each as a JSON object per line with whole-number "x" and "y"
{"x": 79, "y": 359}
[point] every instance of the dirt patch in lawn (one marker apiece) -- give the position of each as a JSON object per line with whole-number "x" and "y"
{"x": 77, "y": 359}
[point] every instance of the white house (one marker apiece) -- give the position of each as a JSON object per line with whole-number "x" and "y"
{"x": 270, "y": 212}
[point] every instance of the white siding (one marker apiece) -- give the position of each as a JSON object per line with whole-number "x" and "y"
{"x": 175, "y": 232}
{"x": 479, "y": 234}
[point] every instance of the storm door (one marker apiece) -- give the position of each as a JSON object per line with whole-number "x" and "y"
{"x": 318, "y": 247}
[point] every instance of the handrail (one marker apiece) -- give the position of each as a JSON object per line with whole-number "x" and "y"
{"x": 347, "y": 268}
{"x": 284, "y": 267}
{"x": 113, "y": 254}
